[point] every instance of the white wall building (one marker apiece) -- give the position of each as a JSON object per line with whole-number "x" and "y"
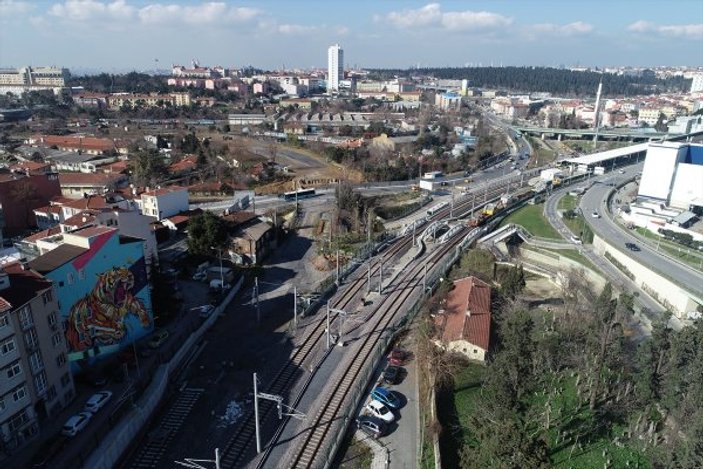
{"x": 335, "y": 67}
{"x": 23, "y": 79}
{"x": 164, "y": 202}
{"x": 672, "y": 175}
{"x": 697, "y": 83}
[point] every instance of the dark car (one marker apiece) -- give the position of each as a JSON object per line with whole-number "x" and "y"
{"x": 397, "y": 357}
{"x": 632, "y": 246}
{"x": 372, "y": 426}
{"x": 391, "y": 375}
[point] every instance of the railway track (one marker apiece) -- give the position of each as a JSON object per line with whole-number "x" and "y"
{"x": 329, "y": 414}
{"x": 240, "y": 445}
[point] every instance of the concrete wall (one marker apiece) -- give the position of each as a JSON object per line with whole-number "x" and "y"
{"x": 557, "y": 263}
{"x": 666, "y": 292}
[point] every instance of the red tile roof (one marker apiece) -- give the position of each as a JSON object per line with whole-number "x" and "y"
{"x": 43, "y": 234}
{"x": 467, "y": 313}
{"x": 186, "y": 164}
{"x": 4, "y": 305}
{"x": 49, "y": 209}
{"x": 93, "y": 231}
{"x": 78, "y": 142}
{"x": 30, "y": 166}
{"x": 80, "y": 219}
{"x": 239, "y": 217}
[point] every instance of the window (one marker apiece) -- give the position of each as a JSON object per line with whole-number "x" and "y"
{"x": 7, "y": 346}
{"x": 61, "y": 360}
{"x": 65, "y": 379}
{"x": 47, "y": 296}
{"x": 51, "y": 318}
{"x": 18, "y": 420}
{"x": 25, "y": 315}
{"x": 40, "y": 383}
{"x": 51, "y": 394}
{"x": 56, "y": 339}
{"x": 69, "y": 278}
{"x": 81, "y": 274}
{"x": 3, "y": 320}
{"x": 19, "y": 393}
{"x": 13, "y": 370}
{"x": 30, "y": 338}
{"x": 36, "y": 363}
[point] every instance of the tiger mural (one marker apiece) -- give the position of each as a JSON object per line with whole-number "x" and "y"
{"x": 99, "y": 317}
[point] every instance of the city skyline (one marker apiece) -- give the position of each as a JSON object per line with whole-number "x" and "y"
{"x": 118, "y": 34}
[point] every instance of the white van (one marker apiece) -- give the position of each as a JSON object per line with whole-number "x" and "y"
{"x": 76, "y": 423}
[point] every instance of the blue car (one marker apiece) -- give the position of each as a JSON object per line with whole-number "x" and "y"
{"x": 386, "y": 396}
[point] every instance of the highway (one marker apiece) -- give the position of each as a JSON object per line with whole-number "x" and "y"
{"x": 596, "y": 199}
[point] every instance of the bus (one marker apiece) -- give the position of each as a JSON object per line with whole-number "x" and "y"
{"x": 436, "y": 208}
{"x": 301, "y": 194}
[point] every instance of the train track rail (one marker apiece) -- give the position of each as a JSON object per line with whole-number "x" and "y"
{"x": 329, "y": 414}
{"x": 240, "y": 445}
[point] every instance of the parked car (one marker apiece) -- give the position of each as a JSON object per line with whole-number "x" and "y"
{"x": 97, "y": 401}
{"x": 200, "y": 276}
{"x": 595, "y": 214}
{"x": 622, "y": 171}
{"x": 397, "y": 357}
{"x": 158, "y": 338}
{"x": 76, "y": 423}
{"x": 576, "y": 240}
{"x": 632, "y": 247}
{"x": 386, "y": 396}
{"x": 372, "y": 426}
{"x": 391, "y": 375}
{"x": 378, "y": 410}
{"x": 216, "y": 286}
{"x": 203, "y": 311}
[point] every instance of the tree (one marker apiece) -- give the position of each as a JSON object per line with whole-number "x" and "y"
{"x": 205, "y": 233}
{"x": 147, "y": 167}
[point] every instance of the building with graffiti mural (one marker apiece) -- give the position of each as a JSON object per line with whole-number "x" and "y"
{"x": 101, "y": 281}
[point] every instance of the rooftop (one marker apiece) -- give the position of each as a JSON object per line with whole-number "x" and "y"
{"x": 468, "y": 313}
{"x": 164, "y": 190}
{"x": 24, "y": 285}
{"x": 55, "y": 258}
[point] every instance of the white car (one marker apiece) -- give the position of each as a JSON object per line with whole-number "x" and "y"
{"x": 622, "y": 171}
{"x": 203, "y": 311}
{"x": 97, "y": 401}
{"x": 378, "y": 410}
{"x": 576, "y": 240}
{"x": 76, "y": 423}
{"x": 595, "y": 214}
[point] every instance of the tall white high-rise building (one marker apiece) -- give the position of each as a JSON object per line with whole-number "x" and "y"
{"x": 335, "y": 67}
{"x": 697, "y": 83}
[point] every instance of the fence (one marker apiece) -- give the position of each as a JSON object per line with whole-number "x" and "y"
{"x": 118, "y": 440}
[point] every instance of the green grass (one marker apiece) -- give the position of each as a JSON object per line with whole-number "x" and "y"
{"x": 530, "y": 217}
{"x": 686, "y": 254}
{"x": 574, "y": 255}
{"x": 568, "y": 202}
{"x": 542, "y": 155}
{"x": 567, "y": 411}
{"x": 580, "y": 228}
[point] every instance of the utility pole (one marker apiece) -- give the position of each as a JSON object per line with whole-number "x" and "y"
{"x": 256, "y": 417}
{"x": 337, "y": 267}
{"x": 295, "y": 306}
{"x": 328, "y": 325}
{"x": 368, "y": 279}
{"x": 424, "y": 279}
{"x": 380, "y": 273}
{"x": 258, "y": 308}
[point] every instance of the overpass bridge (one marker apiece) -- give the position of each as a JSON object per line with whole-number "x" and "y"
{"x": 633, "y": 135}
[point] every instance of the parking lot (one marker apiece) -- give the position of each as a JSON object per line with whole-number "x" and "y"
{"x": 401, "y": 441}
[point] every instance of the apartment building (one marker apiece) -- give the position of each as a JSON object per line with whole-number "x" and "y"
{"x": 23, "y": 79}
{"x": 117, "y": 100}
{"x": 164, "y": 202}
{"x": 35, "y": 379}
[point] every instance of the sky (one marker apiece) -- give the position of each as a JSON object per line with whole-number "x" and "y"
{"x": 121, "y": 35}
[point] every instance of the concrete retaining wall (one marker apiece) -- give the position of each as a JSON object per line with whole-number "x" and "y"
{"x": 106, "y": 455}
{"x": 554, "y": 260}
{"x": 666, "y": 292}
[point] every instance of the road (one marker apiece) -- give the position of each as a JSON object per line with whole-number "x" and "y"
{"x": 596, "y": 199}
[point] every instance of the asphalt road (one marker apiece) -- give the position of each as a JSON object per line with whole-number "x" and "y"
{"x": 595, "y": 199}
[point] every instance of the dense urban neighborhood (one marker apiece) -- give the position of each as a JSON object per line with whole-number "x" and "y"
{"x": 473, "y": 266}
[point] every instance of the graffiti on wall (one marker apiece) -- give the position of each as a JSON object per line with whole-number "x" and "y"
{"x": 98, "y": 319}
